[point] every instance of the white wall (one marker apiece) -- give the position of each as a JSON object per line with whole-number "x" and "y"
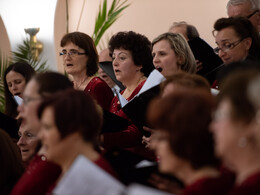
{"x": 20, "y": 14}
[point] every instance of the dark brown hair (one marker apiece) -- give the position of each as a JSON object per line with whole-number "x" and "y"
{"x": 51, "y": 82}
{"x": 85, "y": 42}
{"x": 243, "y": 29}
{"x": 74, "y": 111}
{"x": 185, "y": 116}
{"x": 27, "y": 71}
{"x": 11, "y": 166}
{"x": 139, "y": 46}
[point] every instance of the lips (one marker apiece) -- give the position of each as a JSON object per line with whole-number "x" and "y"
{"x": 17, "y": 94}
{"x": 69, "y": 64}
{"x": 24, "y": 150}
{"x": 159, "y": 69}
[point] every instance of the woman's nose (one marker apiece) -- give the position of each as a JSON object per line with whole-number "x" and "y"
{"x": 115, "y": 62}
{"x": 155, "y": 58}
{"x": 21, "y": 141}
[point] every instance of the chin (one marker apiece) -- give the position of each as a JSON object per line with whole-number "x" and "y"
{"x": 164, "y": 168}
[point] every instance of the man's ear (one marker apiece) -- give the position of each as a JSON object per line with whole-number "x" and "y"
{"x": 248, "y": 42}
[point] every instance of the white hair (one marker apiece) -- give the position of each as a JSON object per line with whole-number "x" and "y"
{"x": 254, "y": 3}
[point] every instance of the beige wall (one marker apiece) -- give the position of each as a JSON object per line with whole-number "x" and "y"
{"x": 4, "y": 40}
{"x": 152, "y": 17}
{"x": 149, "y": 17}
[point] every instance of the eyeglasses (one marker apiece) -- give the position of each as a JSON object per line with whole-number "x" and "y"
{"x": 227, "y": 46}
{"x": 27, "y": 100}
{"x": 71, "y": 53}
{"x": 250, "y": 15}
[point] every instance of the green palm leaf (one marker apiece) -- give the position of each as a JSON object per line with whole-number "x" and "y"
{"x": 24, "y": 54}
{"x": 105, "y": 19}
{"x": 4, "y": 63}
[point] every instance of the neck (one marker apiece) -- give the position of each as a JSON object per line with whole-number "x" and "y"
{"x": 79, "y": 147}
{"x": 79, "y": 77}
{"x": 246, "y": 164}
{"x": 189, "y": 175}
{"x": 131, "y": 85}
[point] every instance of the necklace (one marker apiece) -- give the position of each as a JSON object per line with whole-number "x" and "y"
{"x": 78, "y": 87}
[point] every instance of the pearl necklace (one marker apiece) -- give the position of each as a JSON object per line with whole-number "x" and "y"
{"x": 78, "y": 87}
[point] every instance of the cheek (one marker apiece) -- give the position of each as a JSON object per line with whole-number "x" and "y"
{"x": 22, "y": 86}
{"x": 33, "y": 144}
{"x": 171, "y": 63}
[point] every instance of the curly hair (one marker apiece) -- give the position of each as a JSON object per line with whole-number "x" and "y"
{"x": 139, "y": 46}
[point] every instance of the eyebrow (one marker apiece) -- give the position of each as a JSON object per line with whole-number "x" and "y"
{"x": 223, "y": 41}
{"x": 121, "y": 52}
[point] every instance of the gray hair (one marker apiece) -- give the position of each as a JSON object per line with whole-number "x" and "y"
{"x": 181, "y": 49}
{"x": 191, "y": 30}
{"x": 254, "y": 3}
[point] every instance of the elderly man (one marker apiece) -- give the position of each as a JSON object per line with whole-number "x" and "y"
{"x": 245, "y": 8}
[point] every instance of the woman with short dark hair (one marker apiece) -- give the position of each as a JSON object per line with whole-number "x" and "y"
{"x": 71, "y": 122}
{"x": 132, "y": 63}
{"x": 80, "y": 60}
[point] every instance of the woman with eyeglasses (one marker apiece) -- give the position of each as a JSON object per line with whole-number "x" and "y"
{"x": 80, "y": 60}
{"x": 40, "y": 173}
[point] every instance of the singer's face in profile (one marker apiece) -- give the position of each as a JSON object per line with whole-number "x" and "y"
{"x": 50, "y": 136}
{"x": 124, "y": 66}
{"x": 164, "y": 58}
{"x": 27, "y": 143}
{"x": 168, "y": 161}
{"x": 226, "y": 131}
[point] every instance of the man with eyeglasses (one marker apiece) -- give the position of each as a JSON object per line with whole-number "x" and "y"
{"x": 236, "y": 40}
{"x": 245, "y": 8}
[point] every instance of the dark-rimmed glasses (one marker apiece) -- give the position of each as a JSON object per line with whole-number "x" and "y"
{"x": 71, "y": 53}
{"x": 227, "y": 46}
{"x": 253, "y": 13}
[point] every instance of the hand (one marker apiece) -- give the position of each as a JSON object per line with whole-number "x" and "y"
{"x": 199, "y": 65}
{"x": 147, "y": 141}
{"x": 165, "y": 184}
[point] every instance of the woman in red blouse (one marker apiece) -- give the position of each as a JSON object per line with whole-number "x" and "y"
{"x": 132, "y": 63}
{"x": 80, "y": 60}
